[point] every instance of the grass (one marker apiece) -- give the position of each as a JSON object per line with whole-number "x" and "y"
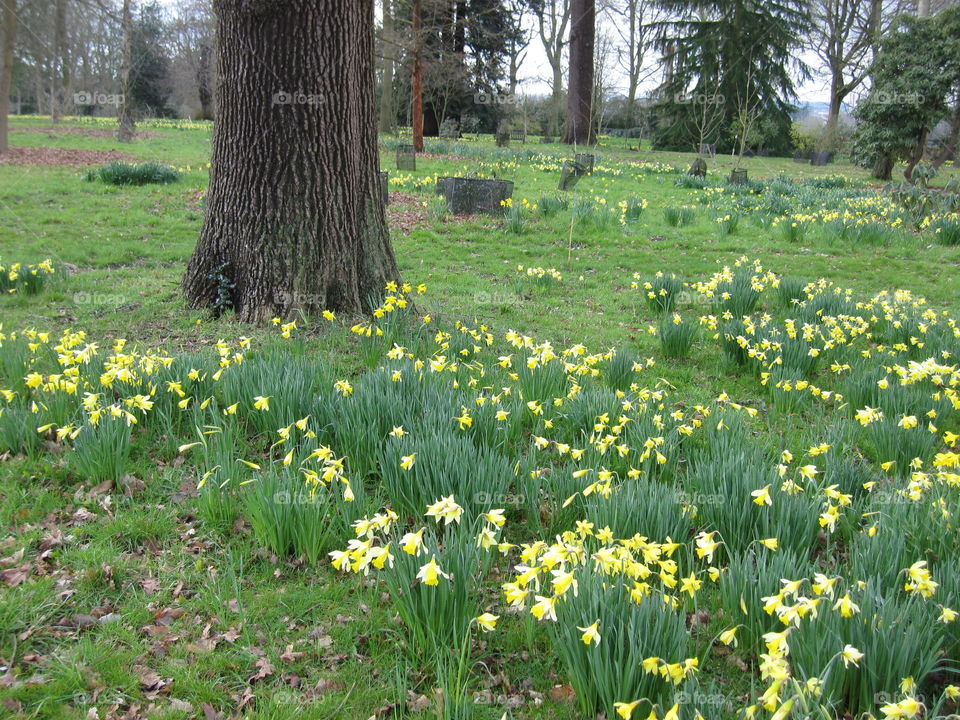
{"x": 140, "y": 603}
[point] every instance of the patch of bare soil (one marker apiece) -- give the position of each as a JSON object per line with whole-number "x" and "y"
{"x": 435, "y": 156}
{"x": 405, "y": 212}
{"x": 50, "y": 157}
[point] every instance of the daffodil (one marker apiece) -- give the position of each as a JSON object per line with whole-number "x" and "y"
{"x": 487, "y": 621}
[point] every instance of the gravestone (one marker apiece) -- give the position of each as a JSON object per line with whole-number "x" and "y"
{"x": 571, "y": 174}
{"x": 738, "y": 177}
{"x": 698, "y": 168}
{"x": 406, "y": 158}
{"x": 450, "y": 129}
{"x": 503, "y": 135}
{"x": 585, "y": 160}
{"x": 472, "y": 195}
{"x": 821, "y": 158}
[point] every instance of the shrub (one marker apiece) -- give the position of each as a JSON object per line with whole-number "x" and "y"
{"x": 121, "y": 173}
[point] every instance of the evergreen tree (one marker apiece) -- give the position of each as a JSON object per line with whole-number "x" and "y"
{"x": 916, "y": 75}
{"x": 735, "y": 56}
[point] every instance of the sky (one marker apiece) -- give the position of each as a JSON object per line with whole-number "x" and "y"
{"x": 535, "y": 70}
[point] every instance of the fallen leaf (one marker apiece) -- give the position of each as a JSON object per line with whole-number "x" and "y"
{"x": 264, "y": 669}
{"x": 290, "y": 656}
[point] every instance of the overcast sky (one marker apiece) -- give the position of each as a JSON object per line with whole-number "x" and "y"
{"x": 535, "y": 71}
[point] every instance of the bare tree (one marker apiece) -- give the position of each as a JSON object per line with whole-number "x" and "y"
{"x": 6, "y": 67}
{"x": 191, "y": 37}
{"x": 416, "y": 109}
{"x": 127, "y": 127}
{"x": 60, "y": 62}
{"x": 632, "y": 20}
{"x": 387, "y": 60}
{"x": 844, "y": 37}
{"x": 519, "y": 40}
{"x": 553, "y": 16}
{"x": 749, "y": 108}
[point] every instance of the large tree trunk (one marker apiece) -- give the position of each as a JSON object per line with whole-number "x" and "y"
{"x": 9, "y": 39}
{"x": 916, "y": 155}
{"x": 837, "y": 93}
{"x": 387, "y": 114}
{"x": 556, "y": 99}
{"x": 416, "y": 110}
{"x": 580, "y": 87}
{"x": 295, "y": 217}
{"x": 127, "y": 127}
{"x": 204, "y": 89}
{"x": 883, "y": 167}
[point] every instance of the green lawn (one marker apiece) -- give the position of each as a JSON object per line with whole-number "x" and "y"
{"x": 127, "y": 597}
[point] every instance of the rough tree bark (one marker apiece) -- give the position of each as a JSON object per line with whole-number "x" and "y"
{"x": 295, "y": 217}
{"x": 127, "y": 127}
{"x": 916, "y": 155}
{"x": 580, "y": 83}
{"x": 416, "y": 111}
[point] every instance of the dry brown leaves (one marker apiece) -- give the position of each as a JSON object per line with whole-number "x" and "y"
{"x": 51, "y": 157}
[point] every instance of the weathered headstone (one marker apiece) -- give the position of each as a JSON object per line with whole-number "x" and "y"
{"x": 698, "y": 168}
{"x": 406, "y": 158}
{"x": 571, "y": 174}
{"x": 473, "y": 195}
{"x": 821, "y": 157}
{"x": 450, "y": 129}
{"x": 585, "y": 160}
{"x": 738, "y": 177}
